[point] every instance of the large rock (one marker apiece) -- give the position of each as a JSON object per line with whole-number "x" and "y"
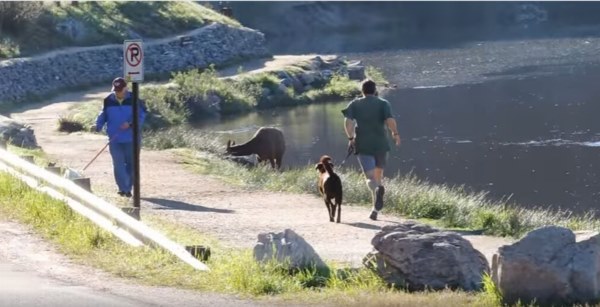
{"x": 548, "y": 266}
{"x": 16, "y": 133}
{"x": 287, "y": 246}
{"x": 356, "y": 71}
{"x": 419, "y": 257}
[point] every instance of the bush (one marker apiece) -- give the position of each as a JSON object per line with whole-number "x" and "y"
{"x": 205, "y": 93}
{"x": 16, "y": 16}
{"x": 164, "y": 107}
{"x": 8, "y": 48}
{"x": 376, "y": 75}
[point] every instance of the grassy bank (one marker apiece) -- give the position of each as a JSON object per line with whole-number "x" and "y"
{"x": 232, "y": 271}
{"x": 195, "y": 95}
{"x": 28, "y": 28}
{"x": 446, "y": 206}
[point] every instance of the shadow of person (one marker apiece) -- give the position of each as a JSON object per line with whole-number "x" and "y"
{"x": 364, "y": 225}
{"x": 168, "y": 204}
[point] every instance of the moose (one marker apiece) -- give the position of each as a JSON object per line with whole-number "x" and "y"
{"x": 267, "y": 143}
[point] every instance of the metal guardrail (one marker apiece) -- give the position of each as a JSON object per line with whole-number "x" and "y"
{"x": 97, "y": 210}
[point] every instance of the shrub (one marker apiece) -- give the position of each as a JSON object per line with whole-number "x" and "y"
{"x": 16, "y": 15}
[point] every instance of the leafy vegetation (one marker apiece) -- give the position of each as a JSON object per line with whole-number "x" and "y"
{"x": 28, "y": 28}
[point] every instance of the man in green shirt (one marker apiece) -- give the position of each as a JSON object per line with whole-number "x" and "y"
{"x": 365, "y": 122}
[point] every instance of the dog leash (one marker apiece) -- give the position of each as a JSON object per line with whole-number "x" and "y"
{"x": 350, "y": 151}
{"x": 100, "y": 151}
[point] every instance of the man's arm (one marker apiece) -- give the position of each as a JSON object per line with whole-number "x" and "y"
{"x": 349, "y": 127}
{"x": 391, "y": 124}
{"x": 100, "y": 120}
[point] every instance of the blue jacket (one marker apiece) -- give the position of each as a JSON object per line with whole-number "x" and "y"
{"x": 114, "y": 114}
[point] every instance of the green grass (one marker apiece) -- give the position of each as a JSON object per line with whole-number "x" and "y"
{"x": 376, "y": 75}
{"x": 407, "y": 196}
{"x": 233, "y": 271}
{"x": 39, "y": 156}
{"x": 340, "y": 87}
{"x": 106, "y": 22}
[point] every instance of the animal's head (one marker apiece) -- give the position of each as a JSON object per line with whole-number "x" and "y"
{"x": 229, "y": 144}
{"x": 325, "y": 160}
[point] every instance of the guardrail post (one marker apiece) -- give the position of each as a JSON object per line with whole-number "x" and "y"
{"x": 28, "y": 159}
{"x": 199, "y": 251}
{"x": 132, "y": 211}
{"x": 54, "y": 169}
{"x": 85, "y": 183}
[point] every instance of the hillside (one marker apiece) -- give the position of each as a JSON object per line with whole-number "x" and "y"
{"x": 28, "y": 28}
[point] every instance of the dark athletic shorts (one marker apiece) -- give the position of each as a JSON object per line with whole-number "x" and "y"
{"x": 370, "y": 162}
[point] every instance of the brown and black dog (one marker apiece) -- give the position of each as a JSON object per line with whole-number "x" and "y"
{"x": 330, "y": 187}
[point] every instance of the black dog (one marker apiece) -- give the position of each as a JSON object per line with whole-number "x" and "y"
{"x": 330, "y": 187}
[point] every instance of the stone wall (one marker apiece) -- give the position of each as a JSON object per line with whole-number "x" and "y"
{"x": 213, "y": 44}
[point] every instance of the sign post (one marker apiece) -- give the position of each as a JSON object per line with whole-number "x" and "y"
{"x": 133, "y": 71}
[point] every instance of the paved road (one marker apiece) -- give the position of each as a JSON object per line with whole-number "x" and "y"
{"x": 34, "y": 273}
{"x": 22, "y": 287}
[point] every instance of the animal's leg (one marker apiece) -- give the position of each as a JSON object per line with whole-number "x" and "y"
{"x": 329, "y": 206}
{"x": 333, "y": 209}
{"x": 279, "y": 162}
{"x": 338, "y": 204}
{"x": 272, "y": 163}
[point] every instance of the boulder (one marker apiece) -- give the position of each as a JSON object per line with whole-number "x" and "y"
{"x": 17, "y": 133}
{"x": 356, "y": 72}
{"x": 418, "y": 257}
{"x": 287, "y": 246}
{"x": 307, "y": 78}
{"x": 550, "y": 267}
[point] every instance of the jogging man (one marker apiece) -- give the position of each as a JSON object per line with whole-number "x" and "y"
{"x": 365, "y": 121}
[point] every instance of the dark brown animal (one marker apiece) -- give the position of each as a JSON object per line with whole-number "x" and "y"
{"x": 330, "y": 187}
{"x": 267, "y": 143}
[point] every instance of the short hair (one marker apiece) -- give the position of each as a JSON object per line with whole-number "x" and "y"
{"x": 369, "y": 87}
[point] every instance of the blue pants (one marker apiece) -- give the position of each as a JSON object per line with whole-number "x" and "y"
{"x": 122, "y": 158}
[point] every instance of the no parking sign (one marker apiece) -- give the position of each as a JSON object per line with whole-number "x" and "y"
{"x": 133, "y": 60}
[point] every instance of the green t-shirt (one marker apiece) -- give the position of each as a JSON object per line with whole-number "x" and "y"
{"x": 369, "y": 113}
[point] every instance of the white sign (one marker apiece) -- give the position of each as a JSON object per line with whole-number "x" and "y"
{"x": 133, "y": 60}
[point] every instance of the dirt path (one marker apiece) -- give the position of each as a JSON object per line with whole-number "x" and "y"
{"x": 232, "y": 214}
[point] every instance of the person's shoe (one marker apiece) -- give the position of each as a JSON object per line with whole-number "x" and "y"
{"x": 379, "y": 191}
{"x": 373, "y": 215}
{"x": 121, "y": 193}
{"x": 128, "y": 194}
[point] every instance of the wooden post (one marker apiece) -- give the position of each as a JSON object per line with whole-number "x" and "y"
{"x": 199, "y": 251}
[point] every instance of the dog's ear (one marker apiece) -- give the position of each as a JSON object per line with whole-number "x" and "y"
{"x": 319, "y": 166}
{"x": 228, "y": 144}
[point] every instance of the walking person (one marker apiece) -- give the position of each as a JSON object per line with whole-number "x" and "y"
{"x": 117, "y": 114}
{"x": 365, "y": 121}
